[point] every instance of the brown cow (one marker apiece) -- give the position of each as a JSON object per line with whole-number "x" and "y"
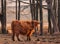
{"x": 24, "y": 28}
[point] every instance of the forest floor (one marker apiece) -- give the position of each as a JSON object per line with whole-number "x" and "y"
{"x": 45, "y": 39}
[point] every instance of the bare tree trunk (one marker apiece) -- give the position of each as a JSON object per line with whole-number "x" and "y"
{"x": 19, "y": 10}
{"x": 49, "y": 18}
{"x": 59, "y": 14}
{"x": 49, "y": 22}
{"x": 36, "y": 9}
{"x": 56, "y": 10}
{"x": 41, "y": 18}
{"x": 32, "y": 8}
{"x": 16, "y": 10}
{"x": 3, "y": 21}
{"x": 53, "y": 18}
{"x": 52, "y": 15}
{"x": 55, "y": 7}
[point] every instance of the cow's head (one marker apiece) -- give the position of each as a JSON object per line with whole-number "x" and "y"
{"x": 35, "y": 23}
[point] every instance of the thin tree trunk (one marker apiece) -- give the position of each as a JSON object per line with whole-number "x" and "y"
{"x": 31, "y": 9}
{"x": 59, "y": 14}
{"x": 41, "y": 18}
{"x": 33, "y": 4}
{"x": 53, "y": 18}
{"x": 36, "y": 10}
{"x": 4, "y": 16}
{"x": 49, "y": 22}
{"x": 36, "y": 15}
{"x": 18, "y": 10}
{"x": 52, "y": 15}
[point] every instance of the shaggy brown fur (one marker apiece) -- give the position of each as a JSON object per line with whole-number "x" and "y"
{"x": 24, "y": 28}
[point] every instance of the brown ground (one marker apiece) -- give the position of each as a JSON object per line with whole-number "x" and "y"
{"x": 45, "y": 39}
{"x": 6, "y": 39}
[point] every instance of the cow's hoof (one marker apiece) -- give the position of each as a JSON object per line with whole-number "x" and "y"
{"x": 20, "y": 40}
{"x": 13, "y": 40}
{"x": 37, "y": 39}
{"x": 28, "y": 40}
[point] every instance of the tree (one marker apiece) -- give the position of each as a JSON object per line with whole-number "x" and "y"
{"x": 3, "y": 21}
{"x": 41, "y": 17}
{"x": 59, "y": 14}
{"x": 52, "y": 15}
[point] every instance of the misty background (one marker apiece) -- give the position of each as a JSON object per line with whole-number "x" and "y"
{"x": 25, "y": 11}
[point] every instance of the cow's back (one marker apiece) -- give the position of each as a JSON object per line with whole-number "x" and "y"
{"x": 22, "y": 27}
{"x": 25, "y": 27}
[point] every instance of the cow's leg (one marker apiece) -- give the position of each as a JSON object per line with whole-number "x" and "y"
{"x": 28, "y": 38}
{"x": 17, "y": 35}
{"x": 29, "y": 35}
{"x": 13, "y": 36}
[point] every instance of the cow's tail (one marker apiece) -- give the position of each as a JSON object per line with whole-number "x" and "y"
{"x": 12, "y": 27}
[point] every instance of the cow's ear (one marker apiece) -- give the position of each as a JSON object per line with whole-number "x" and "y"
{"x": 36, "y": 22}
{"x": 28, "y": 22}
